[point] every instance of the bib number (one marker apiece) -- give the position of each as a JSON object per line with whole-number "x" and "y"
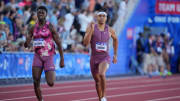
{"x": 38, "y": 42}
{"x": 101, "y": 47}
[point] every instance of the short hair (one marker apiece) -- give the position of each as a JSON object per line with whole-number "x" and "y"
{"x": 42, "y": 7}
{"x": 102, "y": 10}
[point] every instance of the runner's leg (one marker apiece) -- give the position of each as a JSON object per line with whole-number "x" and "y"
{"x": 50, "y": 77}
{"x": 102, "y": 71}
{"x": 36, "y": 72}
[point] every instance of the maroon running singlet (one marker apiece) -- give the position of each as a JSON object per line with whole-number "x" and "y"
{"x": 100, "y": 48}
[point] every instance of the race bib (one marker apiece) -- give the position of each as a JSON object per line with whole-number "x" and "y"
{"x": 101, "y": 46}
{"x": 38, "y": 42}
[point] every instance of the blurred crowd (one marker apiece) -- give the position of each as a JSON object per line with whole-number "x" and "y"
{"x": 69, "y": 17}
{"x": 154, "y": 53}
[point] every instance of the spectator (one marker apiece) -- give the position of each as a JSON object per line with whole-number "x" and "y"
{"x": 7, "y": 31}
{"x": 27, "y": 2}
{"x": 34, "y": 5}
{"x": 140, "y": 48}
{"x": 32, "y": 19}
{"x": 84, "y": 20}
{"x": 19, "y": 11}
{"x": 20, "y": 47}
{"x": 149, "y": 63}
{"x": 23, "y": 32}
{"x": 60, "y": 27}
{"x": 53, "y": 18}
{"x": 64, "y": 14}
{"x": 168, "y": 52}
{"x": 76, "y": 22}
{"x": 91, "y": 5}
{"x": 71, "y": 4}
{"x": 1, "y": 5}
{"x": 12, "y": 4}
{"x": 39, "y": 2}
{"x": 11, "y": 46}
{"x": 7, "y": 20}
{"x": 27, "y": 14}
{"x": 1, "y": 16}
{"x": 78, "y": 4}
{"x": 2, "y": 32}
{"x": 110, "y": 9}
{"x": 85, "y": 4}
{"x": 17, "y": 27}
{"x": 69, "y": 18}
{"x": 159, "y": 48}
{"x": 63, "y": 8}
{"x": 98, "y": 5}
{"x": 47, "y": 4}
{"x": 121, "y": 13}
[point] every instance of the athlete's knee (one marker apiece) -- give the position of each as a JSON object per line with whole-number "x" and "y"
{"x": 36, "y": 83}
{"x": 51, "y": 84}
{"x": 102, "y": 74}
{"x": 98, "y": 83}
{"x": 36, "y": 79}
{"x": 97, "y": 80}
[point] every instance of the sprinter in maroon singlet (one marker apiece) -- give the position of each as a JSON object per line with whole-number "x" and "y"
{"x": 43, "y": 35}
{"x": 98, "y": 36}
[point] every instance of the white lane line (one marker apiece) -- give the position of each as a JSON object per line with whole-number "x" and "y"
{"x": 133, "y": 93}
{"x": 63, "y": 87}
{"x": 165, "y": 98}
{"x": 79, "y": 81}
{"x": 91, "y": 80}
{"x": 88, "y": 91}
{"x": 68, "y": 87}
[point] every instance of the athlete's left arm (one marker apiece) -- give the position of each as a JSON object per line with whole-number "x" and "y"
{"x": 115, "y": 43}
{"x": 58, "y": 42}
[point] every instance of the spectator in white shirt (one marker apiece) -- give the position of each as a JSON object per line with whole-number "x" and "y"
{"x": 84, "y": 20}
{"x": 69, "y": 18}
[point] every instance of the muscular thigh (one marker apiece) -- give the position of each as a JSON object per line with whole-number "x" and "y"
{"x": 49, "y": 63}
{"x": 36, "y": 73}
{"x": 50, "y": 76}
{"x": 103, "y": 66}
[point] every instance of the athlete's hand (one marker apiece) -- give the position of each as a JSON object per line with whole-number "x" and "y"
{"x": 114, "y": 59}
{"x": 92, "y": 24}
{"x": 61, "y": 64}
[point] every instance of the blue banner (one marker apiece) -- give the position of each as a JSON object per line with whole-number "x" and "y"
{"x": 19, "y": 65}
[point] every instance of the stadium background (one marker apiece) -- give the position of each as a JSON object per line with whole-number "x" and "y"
{"x": 138, "y": 16}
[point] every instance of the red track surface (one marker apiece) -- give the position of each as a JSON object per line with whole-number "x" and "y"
{"x": 118, "y": 89}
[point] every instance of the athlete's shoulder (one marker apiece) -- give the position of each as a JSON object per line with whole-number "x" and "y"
{"x": 50, "y": 26}
{"x": 111, "y": 29}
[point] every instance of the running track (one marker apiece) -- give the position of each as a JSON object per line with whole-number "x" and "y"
{"x": 118, "y": 89}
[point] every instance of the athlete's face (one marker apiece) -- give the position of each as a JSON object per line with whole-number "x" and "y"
{"x": 101, "y": 18}
{"x": 41, "y": 13}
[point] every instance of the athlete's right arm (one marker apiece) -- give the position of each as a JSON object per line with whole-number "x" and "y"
{"x": 29, "y": 37}
{"x": 88, "y": 35}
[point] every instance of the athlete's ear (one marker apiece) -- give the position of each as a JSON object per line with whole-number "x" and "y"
{"x": 106, "y": 18}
